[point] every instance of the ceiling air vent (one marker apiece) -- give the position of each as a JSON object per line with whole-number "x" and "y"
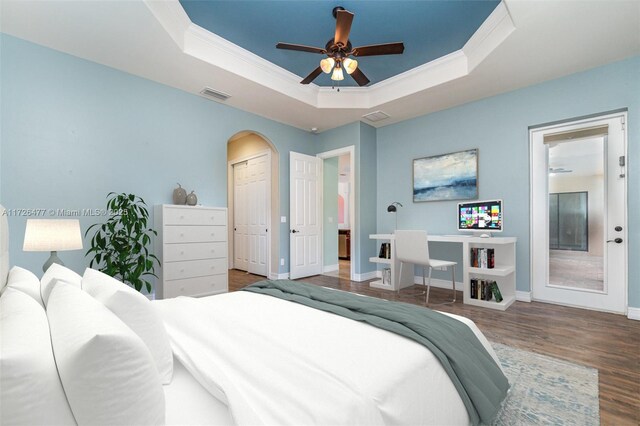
{"x": 214, "y": 94}
{"x": 376, "y": 116}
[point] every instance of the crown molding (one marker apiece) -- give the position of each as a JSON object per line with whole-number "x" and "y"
{"x": 197, "y": 42}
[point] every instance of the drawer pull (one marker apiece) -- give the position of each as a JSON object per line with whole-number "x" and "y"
{"x": 213, "y": 234}
{"x": 182, "y": 234}
{"x": 181, "y": 270}
{"x": 182, "y": 252}
{"x": 181, "y": 216}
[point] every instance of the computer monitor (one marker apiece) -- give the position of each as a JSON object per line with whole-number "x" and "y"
{"x": 481, "y": 216}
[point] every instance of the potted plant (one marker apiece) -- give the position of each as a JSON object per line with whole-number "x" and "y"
{"x": 119, "y": 247}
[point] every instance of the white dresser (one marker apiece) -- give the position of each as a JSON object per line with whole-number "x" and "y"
{"x": 192, "y": 247}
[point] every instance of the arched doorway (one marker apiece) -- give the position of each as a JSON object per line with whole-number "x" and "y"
{"x": 253, "y": 200}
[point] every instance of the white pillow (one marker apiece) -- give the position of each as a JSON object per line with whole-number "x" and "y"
{"x": 106, "y": 370}
{"x": 30, "y": 389}
{"x": 26, "y": 282}
{"x": 57, "y": 272}
{"x": 136, "y": 311}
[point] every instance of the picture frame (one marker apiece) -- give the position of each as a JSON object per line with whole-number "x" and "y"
{"x": 451, "y": 176}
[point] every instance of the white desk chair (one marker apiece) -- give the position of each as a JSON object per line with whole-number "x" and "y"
{"x": 412, "y": 247}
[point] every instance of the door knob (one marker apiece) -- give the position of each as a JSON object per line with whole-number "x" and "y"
{"x": 616, "y": 240}
{"x": 618, "y": 228}
{"x": 293, "y": 231}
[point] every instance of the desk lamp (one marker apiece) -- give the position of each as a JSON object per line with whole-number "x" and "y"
{"x": 393, "y": 208}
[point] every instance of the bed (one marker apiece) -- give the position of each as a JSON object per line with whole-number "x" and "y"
{"x": 237, "y": 358}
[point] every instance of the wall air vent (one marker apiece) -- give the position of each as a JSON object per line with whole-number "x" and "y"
{"x": 376, "y": 116}
{"x": 214, "y": 94}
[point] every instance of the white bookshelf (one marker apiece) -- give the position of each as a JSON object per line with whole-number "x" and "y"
{"x": 504, "y": 272}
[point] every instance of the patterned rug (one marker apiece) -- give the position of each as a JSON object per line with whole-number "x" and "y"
{"x": 547, "y": 391}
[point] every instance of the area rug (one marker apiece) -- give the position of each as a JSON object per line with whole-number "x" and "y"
{"x": 547, "y": 391}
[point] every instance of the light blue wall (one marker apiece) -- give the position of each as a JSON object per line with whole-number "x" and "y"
{"x": 498, "y": 126}
{"x": 73, "y": 131}
{"x": 367, "y": 192}
{"x": 363, "y": 138}
{"x": 330, "y": 211}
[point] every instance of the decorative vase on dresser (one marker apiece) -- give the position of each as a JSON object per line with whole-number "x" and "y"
{"x": 192, "y": 248}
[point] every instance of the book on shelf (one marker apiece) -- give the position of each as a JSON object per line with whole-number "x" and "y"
{"x": 486, "y": 290}
{"x": 385, "y": 251}
{"x": 482, "y": 257}
{"x": 496, "y": 292}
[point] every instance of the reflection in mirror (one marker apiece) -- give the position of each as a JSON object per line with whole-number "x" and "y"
{"x": 576, "y": 213}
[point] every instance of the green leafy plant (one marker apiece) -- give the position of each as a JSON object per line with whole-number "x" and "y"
{"x": 119, "y": 247}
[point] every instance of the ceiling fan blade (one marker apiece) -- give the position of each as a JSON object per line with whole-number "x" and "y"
{"x": 308, "y": 79}
{"x": 379, "y": 49}
{"x": 359, "y": 77}
{"x": 343, "y": 27}
{"x": 300, "y": 47}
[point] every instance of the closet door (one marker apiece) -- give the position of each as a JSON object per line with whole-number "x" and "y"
{"x": 240, "y": 216}
{"x": 258, "y": 194}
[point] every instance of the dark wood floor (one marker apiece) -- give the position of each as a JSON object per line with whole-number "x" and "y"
{"x": 608, "y": 342}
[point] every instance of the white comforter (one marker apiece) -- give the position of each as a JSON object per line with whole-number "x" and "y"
{"x": 277, "y": 362}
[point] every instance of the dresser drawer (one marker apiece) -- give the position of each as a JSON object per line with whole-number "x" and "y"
{"x": 196, "y": 286}
{"x": 194, "y": 216}
{"x": 194, "y": 234}
{"x": 194, "y": 251}
{"x": 193, "y": 268}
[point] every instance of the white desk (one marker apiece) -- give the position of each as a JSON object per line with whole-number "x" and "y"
{"x": 504, "y": 272}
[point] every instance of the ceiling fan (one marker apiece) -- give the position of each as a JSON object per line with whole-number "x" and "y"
{"x": 339, "y": 50}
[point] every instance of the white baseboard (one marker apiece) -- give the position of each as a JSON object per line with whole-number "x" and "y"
{"x": 633, "y": 313}
{"x": 284, "y": 276}
{"x": 523, "y": 296}
{"x": 366, "y": 276}
{"x": 331, "y": 268}
{"x": 437, "y": 282}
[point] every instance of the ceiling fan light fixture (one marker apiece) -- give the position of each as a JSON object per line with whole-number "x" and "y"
{"x": 349, "y": 65}
{"x": 337, "y": 75}
{"x": 327, "y": 64}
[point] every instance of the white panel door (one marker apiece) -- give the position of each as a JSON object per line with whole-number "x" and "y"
{"x": 258, "y": 207}
{"x": 240, "y": 217}
{"x": 304, "y": 233}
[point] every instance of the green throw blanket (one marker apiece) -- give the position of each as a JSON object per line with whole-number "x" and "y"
{"x": 477, "y": 378}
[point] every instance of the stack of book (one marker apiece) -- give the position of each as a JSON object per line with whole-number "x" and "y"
{"x": 485, "y": 290}
{"x": 483, "y": 258}
{"x": 385, "y": 251}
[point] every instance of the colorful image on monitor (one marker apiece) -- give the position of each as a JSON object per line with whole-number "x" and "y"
{"x": 480, "y": 215}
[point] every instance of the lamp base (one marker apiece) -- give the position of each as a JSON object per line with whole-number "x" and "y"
{"x": 52, "y": 259}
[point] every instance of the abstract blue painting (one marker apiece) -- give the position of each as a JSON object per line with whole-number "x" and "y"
{"x": 451, "y": 176}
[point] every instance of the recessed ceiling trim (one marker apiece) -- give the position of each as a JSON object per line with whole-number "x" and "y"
{"x": 219, "y": 52}
{"x": 172, "y": 17}
{"x": 493, "y": 31}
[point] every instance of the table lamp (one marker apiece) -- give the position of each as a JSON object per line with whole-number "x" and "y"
{"x": 52, "y": 235}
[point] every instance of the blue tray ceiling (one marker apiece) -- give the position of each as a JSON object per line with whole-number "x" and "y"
{"x": 429, "y": 30}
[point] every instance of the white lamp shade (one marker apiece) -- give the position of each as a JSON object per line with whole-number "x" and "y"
{"x": 327, "y": 64}
{"x": 337, "y": 74}
{"x": 349, "y": 65}
{"x": 52, "y": 235}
